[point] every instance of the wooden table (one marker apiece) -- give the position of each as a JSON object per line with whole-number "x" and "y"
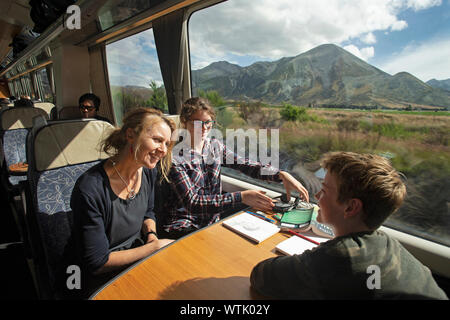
{"x": 20, "y": 167}
{"x": 211, "y": 264}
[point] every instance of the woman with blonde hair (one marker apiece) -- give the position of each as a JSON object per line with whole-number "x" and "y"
{"x": 113, "y": 201}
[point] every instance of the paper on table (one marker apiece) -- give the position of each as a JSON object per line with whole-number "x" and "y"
{"x": 297, "y": 245}
{"x": 251, "y": 227}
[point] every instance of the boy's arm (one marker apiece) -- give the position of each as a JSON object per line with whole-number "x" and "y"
{"x": 284, "y": 277}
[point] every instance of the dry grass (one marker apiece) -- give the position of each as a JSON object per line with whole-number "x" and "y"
{"x": 418, "y": 146}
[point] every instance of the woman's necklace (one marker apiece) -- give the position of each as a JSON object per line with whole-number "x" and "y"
{"x": 131, "y": 193}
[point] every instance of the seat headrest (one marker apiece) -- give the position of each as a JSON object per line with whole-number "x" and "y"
{"x": 175, "y": 118}
{"x": 18, "y": 118}
{"x": 64, "y": 143}
{"x": 71, "y": 112}
{"x": 47, "y": 106}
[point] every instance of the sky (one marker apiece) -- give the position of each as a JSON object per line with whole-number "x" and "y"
{"x": 392, "y": 35}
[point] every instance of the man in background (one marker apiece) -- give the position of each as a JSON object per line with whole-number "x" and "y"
{"x": 89, "y": 105}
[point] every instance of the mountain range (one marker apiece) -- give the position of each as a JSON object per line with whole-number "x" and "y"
{"x": 324, "y": 76}
{"x": 442, "y": 84}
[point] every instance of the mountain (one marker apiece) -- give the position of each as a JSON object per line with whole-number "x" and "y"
{"x": 442, "y": 84}
{"x": 140, "y": 93}
{"x": 325, "y": 75}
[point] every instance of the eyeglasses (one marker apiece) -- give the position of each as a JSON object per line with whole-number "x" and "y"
{"x": 206, "y": 124}
{"x": 88, "y": 108}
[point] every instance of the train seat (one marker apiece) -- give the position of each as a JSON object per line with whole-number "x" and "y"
{"x": 15, "y": 124}
{"x": 70, "y": 112}
{"x": 47, "y": 106}
{"x": 175, "y": 118}
{"x": 59, "y": 152}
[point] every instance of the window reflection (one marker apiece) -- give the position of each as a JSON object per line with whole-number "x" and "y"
{"x": 116, "y": 11}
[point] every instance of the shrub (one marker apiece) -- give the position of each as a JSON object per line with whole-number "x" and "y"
{"x": 292, "y": 113}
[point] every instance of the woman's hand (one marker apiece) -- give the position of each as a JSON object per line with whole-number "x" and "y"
{"x": 257, "y": 200}
{"x": 291, "y": 184}
{"x": 158, "y": 243}
{"x": 163, "y": 242}
{"x": 121, "y": 258}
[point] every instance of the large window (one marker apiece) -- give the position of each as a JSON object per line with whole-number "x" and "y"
{"x": 135, "y": 75}
{"x": 363, "y": 76}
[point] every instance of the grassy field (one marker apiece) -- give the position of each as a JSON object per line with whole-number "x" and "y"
{"x": 417, "y": 143}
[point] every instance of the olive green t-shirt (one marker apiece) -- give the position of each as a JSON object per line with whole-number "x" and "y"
{"x": 367, "y": 265}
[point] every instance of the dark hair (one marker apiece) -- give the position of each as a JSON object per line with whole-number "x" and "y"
{"x": 369, "y": 178}
{"x": 23, "y": 103}
{"x": 92, "y": 97}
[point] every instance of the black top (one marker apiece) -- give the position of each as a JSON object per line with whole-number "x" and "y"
{"x": 103, "y": 222}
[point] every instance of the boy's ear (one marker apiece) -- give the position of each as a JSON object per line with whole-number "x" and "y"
{"x": 353, "y": 208}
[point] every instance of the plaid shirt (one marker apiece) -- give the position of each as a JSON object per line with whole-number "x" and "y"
{"x": 196, "y": 199}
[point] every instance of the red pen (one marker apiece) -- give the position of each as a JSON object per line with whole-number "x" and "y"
{"x": 302, "y": 236}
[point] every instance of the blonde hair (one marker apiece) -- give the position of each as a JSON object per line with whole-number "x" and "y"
{"x": 194, "y": 104}
{"x": 369, "y": 178}
{"x": 139, "y": 119}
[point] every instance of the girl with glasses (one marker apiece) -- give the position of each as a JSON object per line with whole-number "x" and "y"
{"x": 194, "y": 199}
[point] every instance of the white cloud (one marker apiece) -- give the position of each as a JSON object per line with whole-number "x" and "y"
{"x": 399, "y": 25}
{"x": 364, "y": 53}
{"x": 273, "y": 29}
{"x": 133, "y": 60}
{"x": 425, "y": 61}
{"x": 369, "y": 38}
{"x": 417, "y": 5}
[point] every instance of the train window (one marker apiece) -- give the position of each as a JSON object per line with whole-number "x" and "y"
{"x": 18, "y": 91}
{"x": 135, "y": 75}
{"x": 40, "y": 57}
{"x": 42, "y": 85}
{"x": 26, "y": 85}
{"x": 337, "y": 76}
{"x": 11, "y": 87}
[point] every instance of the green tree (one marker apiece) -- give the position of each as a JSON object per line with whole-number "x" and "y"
{"x": 158, "y": 98}
{"x": 213, "y": 97}
{"x": 292, "y": 113}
